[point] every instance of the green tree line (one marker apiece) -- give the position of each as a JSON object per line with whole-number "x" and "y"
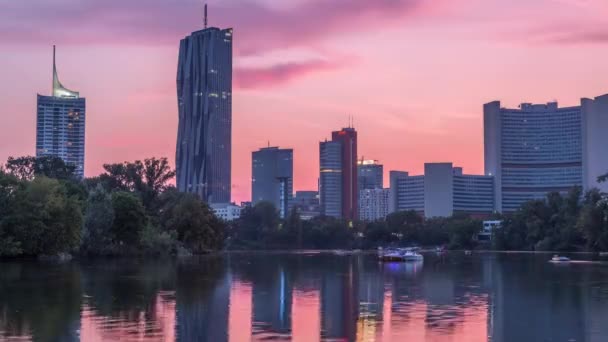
{"x": 129, "y": 209}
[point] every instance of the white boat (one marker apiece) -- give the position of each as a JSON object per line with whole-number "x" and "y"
{"x": 399, "y": 255}
{"x": 560, "y": 259}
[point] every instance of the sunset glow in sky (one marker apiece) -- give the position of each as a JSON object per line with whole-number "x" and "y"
{"x": 413, "y": 73}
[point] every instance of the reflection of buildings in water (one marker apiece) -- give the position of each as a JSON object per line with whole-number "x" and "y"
{"x": 439, "y": 293}
{"x": 240, "y": 312}
{"x": 438, "y": 304}
{"x": 339, "y": 305}
{"x": 371, "y": 305}
{"x": 157, "y": 325}
{"x": 205, "y": 319}
{"x": 272, "y": 301}
{"x": 596, "y": 315}
{"x": 305, "y": 316}
{"x": 532, "y": 302}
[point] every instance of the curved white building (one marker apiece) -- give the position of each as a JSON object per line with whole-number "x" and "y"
{"x": 540, "y": 148}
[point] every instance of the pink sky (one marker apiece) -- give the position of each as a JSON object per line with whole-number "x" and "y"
{"x": 413, "y": 73}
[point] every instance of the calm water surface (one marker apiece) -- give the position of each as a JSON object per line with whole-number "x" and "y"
{"x": 322, "y": 297}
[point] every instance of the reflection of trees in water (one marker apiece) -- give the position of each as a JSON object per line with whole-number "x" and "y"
{"x": 125, "y": 289}
{"x": 132, "y": 291}
{"x": 45, "y": 300}
{"x": 41, "y": 300}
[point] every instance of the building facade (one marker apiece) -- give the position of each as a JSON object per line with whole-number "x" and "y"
{"x": 350, "y": 192}
{"x": 442, "y": 191}
{"x": 204, "y": 97}
{"x": 406, "y": 192}
{"x": 370, "y": 175}
{"x": 541, "y": 148}
{"x": 330, "y": 178}
{"x": 60, "y": 125}
{"x": 373, "y": 204}
{"x": 272, "y": 177}
{"x": 226, "y": 211}
{"x": 338, "y": 181}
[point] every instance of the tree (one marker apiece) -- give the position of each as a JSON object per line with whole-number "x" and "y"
{"x": 22, "y": 167}
{"x": 99, "y": 220}
{"x": 593, "y": 221}
{"x": 9, "y": 187}
{"x": 148, "y": 178}
{"x": 192, "y": 221}
{"x": 258, "y": 222}
{"x": 293, "y": 227}
{"x": 406, "y": 224}
{"x": 44, "y": 220}
{"x": 26, "y": 168}
{"x": 129, "y": 218}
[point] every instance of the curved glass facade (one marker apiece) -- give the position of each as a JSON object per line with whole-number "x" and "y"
{"x": 204, "y": 97}
{"x": 535, "y": 150}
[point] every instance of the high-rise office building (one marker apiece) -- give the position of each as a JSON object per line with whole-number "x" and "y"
{"x": 338, "y": 186}
{"x": 540, "y": 148}
{"x": 350, "y": 192}
{"x": 204, "y": 97}
{"x": 370, "y": 173}
{"x": 272, "y": 177}
{"x": 60, "y": 124}
{"x": 330, "y": 178}
{"x": 442, "y": 191}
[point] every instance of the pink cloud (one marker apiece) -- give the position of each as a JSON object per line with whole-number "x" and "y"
{"x": 278, "y": 74}
{"x": 257, "y": 27}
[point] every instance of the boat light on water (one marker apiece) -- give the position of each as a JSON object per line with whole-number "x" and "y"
{"x": 399, "y": 255}
{"x": 560, "y": 259}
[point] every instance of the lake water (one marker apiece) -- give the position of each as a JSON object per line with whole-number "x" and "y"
{"x": 305, "y": 297}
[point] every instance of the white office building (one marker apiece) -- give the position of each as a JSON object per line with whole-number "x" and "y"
{"x": 540, "y": 148}
{"x": 443, "y": 190}
{"x": 227, "y": 211}
{"x": 373, "y": 204}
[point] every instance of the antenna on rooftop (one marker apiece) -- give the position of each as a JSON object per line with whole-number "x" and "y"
{"x": 205, "y": 15}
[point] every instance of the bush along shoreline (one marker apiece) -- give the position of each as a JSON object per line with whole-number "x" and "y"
{"x": 132, "y": 210}
{"x": 129, "y": 210}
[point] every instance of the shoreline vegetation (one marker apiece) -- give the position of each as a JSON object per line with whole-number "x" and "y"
{"x": 132, "y": 210}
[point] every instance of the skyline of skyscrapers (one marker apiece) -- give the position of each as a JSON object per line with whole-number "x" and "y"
{"x": 272, "y": 177}
{"x": 529, "y": 151}
{"x": 203, "y": 158}
{"x": 60, "y": 124}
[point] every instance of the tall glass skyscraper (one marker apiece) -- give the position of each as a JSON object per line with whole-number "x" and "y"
{"x": 60, "y": 124}
{"x": 272, "y": 178}
{"x": 204, "y": 97}
{"x": 330, "y": 178}
{"x": 338, "y": 181}
{"x": 540, "y": 148}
